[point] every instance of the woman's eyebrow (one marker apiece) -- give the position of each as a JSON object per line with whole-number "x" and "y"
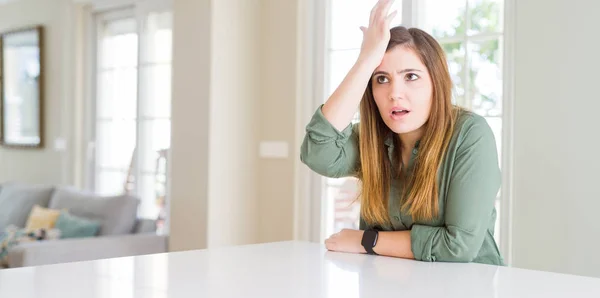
{"x": 399, "y": 72}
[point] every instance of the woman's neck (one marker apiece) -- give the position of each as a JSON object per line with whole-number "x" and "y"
{"x": 409, "y": 139}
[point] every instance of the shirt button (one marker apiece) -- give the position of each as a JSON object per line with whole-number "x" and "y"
{"x": 396, "y": 218}
{"x": 415, "y": 151}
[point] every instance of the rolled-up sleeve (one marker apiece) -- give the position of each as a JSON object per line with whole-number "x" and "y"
{"x": 473, "y": 187}
{"x": 330, "y": 152}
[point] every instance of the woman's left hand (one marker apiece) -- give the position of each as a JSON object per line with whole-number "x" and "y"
{"x": 346, "y": 241}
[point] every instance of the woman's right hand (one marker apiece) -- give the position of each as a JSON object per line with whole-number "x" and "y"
{"x": 377, "y": 36}
{"x": 341, "y": 106}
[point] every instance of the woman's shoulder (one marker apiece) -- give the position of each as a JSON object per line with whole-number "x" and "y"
{"x": 470, "y": 126}
{"x": 467, "y": 118}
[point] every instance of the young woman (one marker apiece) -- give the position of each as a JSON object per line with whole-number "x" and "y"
{"x": 428, "y": 170}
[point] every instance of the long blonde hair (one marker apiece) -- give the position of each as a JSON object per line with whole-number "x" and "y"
{"x": 376, "y": 170}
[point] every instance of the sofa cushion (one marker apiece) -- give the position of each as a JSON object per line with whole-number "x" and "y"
{"x": 17, "y": 200}
{"x": 144, "y": 225}
{"x": 72, "y": 226}
{"x": 116, "y": 214}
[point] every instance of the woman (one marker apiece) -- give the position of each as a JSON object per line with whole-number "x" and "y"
{"x": 428, "y": 170}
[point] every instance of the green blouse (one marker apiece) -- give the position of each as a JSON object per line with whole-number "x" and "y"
{"x": 469, "y": 179}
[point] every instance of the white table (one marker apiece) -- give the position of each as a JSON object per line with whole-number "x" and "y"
{"x": 284, "y": 269}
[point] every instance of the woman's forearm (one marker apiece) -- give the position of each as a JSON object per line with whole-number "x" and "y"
{"x": 394, "y": 244}
{"x": 343, "y": 103}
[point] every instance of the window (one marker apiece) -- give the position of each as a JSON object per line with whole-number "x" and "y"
{"x": 116, "y": 103}
{"x": 470, "y": 31}
{"x": 132, "y": 130}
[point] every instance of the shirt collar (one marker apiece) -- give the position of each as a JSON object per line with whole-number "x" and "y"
{"x": 389, "y": 141}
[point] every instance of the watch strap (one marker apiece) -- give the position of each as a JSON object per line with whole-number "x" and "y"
{"x": 369, "y": 240}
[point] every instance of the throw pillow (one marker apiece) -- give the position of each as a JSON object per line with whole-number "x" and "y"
{"x": 117, "y": 215}
{"x": 72, "y": 226}
{"x": 41, "y": 218}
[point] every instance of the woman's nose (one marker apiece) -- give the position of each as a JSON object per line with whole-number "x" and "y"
{"x": 397, "y": 90}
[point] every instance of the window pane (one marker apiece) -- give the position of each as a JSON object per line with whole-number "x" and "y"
{"x": 340, "y": 63}
{"x": 455, "y": 54}
{"x": 118, "y": 43}
{"x": 497, "y": 224}
{"x": 115, "y": 142}
{"x": 158, "y": 38}
{"x": 496, "y": 125}
{"x": 156, "y": 135}
{"x": 109, "y": 183}
{"x": 485, "y": 16}
{"x": 485, "y": 75}
{"x": 442, "y": 18}
{"x": 116, "y": 95}
{"x": 147, "y": 191}
{"x": 346, "y": 18}
{"x": 346, "y": 212}
{"x": 116, "y": 103}
{"x": 155, "y": 90}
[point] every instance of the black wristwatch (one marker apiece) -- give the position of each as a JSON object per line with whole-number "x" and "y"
{"x": 369, "y": 240}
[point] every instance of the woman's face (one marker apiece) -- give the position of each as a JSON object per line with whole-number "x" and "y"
{"x": 402, "y": 90}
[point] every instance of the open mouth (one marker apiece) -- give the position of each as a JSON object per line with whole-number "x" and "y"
{"x": 400, "y": 112}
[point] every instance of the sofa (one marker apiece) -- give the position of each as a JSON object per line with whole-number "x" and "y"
{"x": 120, "y": 232}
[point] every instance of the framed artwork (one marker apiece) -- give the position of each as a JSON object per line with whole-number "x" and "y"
{"x": 21, "y": 88}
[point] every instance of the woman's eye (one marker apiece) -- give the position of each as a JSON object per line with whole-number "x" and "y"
{"x": 411, "y": 77}
{"x": 382, "y": 80}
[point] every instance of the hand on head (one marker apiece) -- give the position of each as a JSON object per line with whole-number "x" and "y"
{"x": 377, "y": 36}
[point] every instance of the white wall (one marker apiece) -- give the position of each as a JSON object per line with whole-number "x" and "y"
{"x": 190, "y": 124}
{"x": 46, "y": 165}
{"x": 216, "y": 107}
{"x": 278, "y": 117}
{"x": 557, "y": 143}
{"x": 229, "y": 94}
{"x": 234, "y": 113}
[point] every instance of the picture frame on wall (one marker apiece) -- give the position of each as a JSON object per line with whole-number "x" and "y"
{"x": 21, "y": 88}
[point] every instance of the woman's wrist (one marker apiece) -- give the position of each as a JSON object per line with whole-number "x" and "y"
{"x": 368, "y": 63}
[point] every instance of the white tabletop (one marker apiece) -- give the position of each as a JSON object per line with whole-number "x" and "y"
{"x": 284, "y": 269}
